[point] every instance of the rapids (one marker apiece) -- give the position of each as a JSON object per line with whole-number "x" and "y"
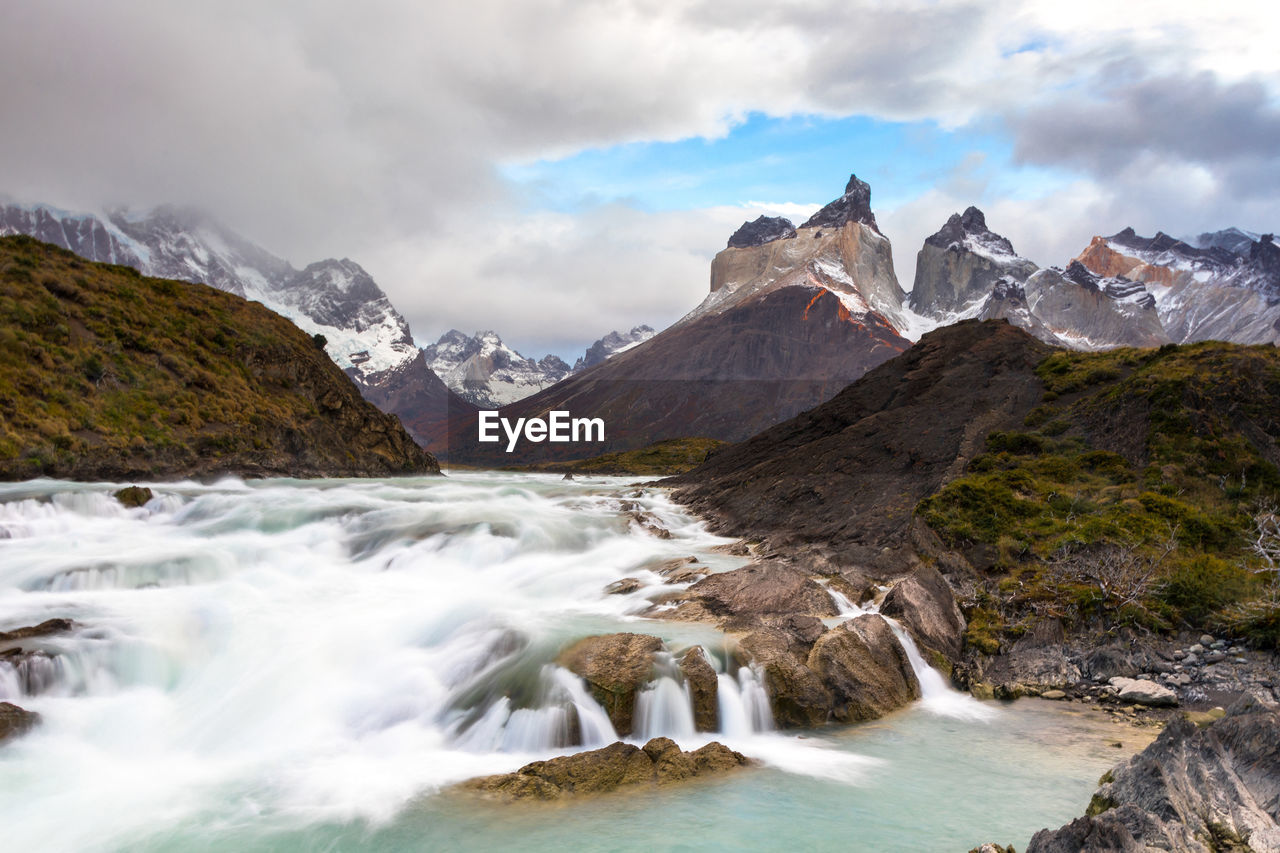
{"x": 303, "y": 665}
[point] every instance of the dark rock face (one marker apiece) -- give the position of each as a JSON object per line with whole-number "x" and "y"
{"x": 614, "y": 666}
{"x": 926, "y": 606}
{"x": 1193, "y": 789}
{"x": 1081, "y": 275}
{"x": 866, "y": 669}
{"x": 844, "y": 478}
{"x": 763, "y": 230}
{"x": 703, "y": 689}
{"x": 15, "y": 721}
{"x": 960, "y": 225}
{"x": 853, "y": 206}
{"x": 620, "y": 765}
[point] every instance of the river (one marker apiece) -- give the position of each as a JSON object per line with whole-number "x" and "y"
{"x": 305, "y": 665}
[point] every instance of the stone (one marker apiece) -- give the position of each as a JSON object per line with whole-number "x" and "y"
{"x": 15, "y": 721}
{"x": 670, "y": 764}
{"x": 625, "y": 586}
{"x": 1195, "y": 789}
{"x": 703, "y": 686}
{"x": 797, "y": 695}
{"x": 1191, "y": 659}
{"x": 762, "y": 588}
{"x": 1054, "y": 695}
{"x": 46, "y": 628}
{"x": 133, "y": 496}
{"x": 599, "y": 771}
{"x": 1206, "y": 639}
{"x": 1196, "y": 648}
{"x": 926, "y": 606}
{"x": 1144, "y": 692}
{"x": 865, "y": 668}
{"x": 614, "y": 666}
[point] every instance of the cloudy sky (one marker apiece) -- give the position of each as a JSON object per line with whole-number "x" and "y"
{"x": 554, "y": 169}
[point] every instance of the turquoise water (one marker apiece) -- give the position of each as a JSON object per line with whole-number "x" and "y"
{"x": 291, "y": 666}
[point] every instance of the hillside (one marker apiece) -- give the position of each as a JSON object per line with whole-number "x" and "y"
{"x": 1124, "y": 486}
{"x": 107, "y": 374}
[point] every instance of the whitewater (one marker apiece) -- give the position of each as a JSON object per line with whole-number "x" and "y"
{"x": 287, "y": 665}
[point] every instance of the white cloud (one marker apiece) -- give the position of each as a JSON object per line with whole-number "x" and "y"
{"x": 378, "y": 132}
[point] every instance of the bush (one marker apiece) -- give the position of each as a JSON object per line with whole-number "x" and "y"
{"x": 1202, "y": 585}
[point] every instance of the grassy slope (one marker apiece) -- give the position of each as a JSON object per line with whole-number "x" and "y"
{"x": 1152, "y": 461}
{"x": 101, "y": 367}
{"x": 660, "y": 459}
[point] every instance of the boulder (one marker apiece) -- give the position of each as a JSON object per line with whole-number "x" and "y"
{"x": 796, "y": 695}
{"x": 614, "y": 666}
{"x": 1037, "y": 662}
{"x": 599, "y": 771}
{"x": 46, "y": 628}
{"x": 1142, "y": 692}
{"x": 1215, "y": 788}
{"x": 762, "y": 588}
{"x": 625, "y": 586}
{"x": 926, "y": 606}
{"x": 865, "y": 669}
{"x": 670, "y": 764}
{"x": 133, "y": 496}
{"x": 703, "y": 686}
{"x": 15, "y": 721}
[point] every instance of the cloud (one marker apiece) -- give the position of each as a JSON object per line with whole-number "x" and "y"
{"x": 381, "y": 133}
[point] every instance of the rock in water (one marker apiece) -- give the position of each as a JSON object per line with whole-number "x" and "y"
{"x": 614, "y": 666}
{"x": 15, "y": 721}
{"x": 866, "y": 669}
{"x": 133, "y": 496}
{"x": 926, "y": 606}
{"x": 1193, "y": 789}
{"x": 797, "y": 695}
{"x": 619, "y": 765}
{"x": 762, "y": 588}
{"x": 703, "y": 689}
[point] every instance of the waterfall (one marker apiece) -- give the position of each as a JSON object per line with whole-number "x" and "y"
{"x": 935, "y": 694}
{"x": 664, "y": 708}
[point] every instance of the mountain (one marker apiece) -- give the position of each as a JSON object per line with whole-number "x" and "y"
{"x": 1096, "y": 488}
{"x": 485, "y": 371}
{"x": 793, "y": 316}
{"x": 107, "y": 374}
{"x": 1225, "y": 288}
{"x": 968, "y": 271}
{"x": 337, "y": 299}
{"x": 844, "y": 478}
{"x": 612, "y": 343}
{"x": 958, "y": 267}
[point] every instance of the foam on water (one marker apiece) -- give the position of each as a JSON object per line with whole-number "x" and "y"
{"x": 289, "y": 652}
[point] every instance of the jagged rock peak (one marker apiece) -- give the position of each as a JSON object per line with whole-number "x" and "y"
{"x": 853, "y": 206}
{"x": 1081, "y": 275}
{"x": 764, "y": 229}
{"x": 971, "y": 223}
